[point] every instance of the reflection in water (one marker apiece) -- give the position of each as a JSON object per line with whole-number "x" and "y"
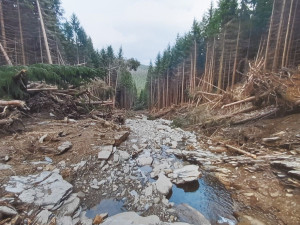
{"x": 111, "y": 206}
{"x": 209, "y": 197}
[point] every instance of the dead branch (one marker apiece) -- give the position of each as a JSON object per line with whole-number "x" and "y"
{"x": 17, "y": 103}
{"x": 240, "y": 151}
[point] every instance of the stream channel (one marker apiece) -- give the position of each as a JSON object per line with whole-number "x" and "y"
{"x": 206, "y": 194}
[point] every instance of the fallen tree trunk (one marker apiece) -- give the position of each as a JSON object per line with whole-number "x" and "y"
{"x": 41, "y": 89}
{"x": 256, "y": 117}
{"x": 17, "y": 103}
{"x": 6, "y": 121}
{"x": 250, "y": 99}
{"x": 161, "y": 114}
{"x": 240, "y": 151}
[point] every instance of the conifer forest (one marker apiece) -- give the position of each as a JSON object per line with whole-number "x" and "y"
{"x": 208, "y": 132}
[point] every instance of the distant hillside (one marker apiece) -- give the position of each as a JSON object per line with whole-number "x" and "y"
{"x": 140, "y": 77}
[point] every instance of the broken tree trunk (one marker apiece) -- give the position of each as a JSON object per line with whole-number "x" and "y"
{"x": 250, "y": 99}
{"x": 17, "y": 103}
{"x": 5, "y": 55}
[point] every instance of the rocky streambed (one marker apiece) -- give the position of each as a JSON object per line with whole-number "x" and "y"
{"x": 159, "y": 175}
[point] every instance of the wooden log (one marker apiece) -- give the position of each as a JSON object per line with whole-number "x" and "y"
{"x": 17, "y": 103}
{"x": 250, "y": 99}
{"x": 41, "y": 89}
{"x": 207, "y": 93}
{"x": 240, "y": 151}
{"x": 6, "y": 121}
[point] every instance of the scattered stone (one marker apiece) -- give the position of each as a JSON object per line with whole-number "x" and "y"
{"x": 163, "y": 184}
{"x": 123, "y": 155}
{"x": 186, "y": 174}
{"x": 47, "y": 189}
{"x": 7, "y": 211}
{"x": 49, "y": 160}
{"x": 250, "y": 220}
{"x": 4, "y": 166}
{"x": 65, "y": 220}
{"x": 41, "y": 140}
{"x": 65, "y": 146}
{"x": 43, "y": 217}
{"x": 190, "y": 215}
{"x": 70, "y": 206}
{"x": 6, "y": 158}
{"x": 105, "y": 152}
{"x": 144, "y": 160}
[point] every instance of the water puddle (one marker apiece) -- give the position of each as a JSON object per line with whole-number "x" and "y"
{"x": 110, "y": 206}
{"x": 209, "y": 197}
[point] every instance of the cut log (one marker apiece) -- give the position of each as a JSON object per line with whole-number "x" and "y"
{"x": 240, "y": 151}
{"x": 17, "y": 103}
{"x": 250, "y": 99}
{"x": 41, "y": 89}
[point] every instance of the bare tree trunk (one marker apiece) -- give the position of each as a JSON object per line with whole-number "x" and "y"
{"x": 182, "y": 84}
{"x": 151, "y": 92}
{"x": 2, "y": 26}
{"x": 158, "y": 94}
{"x": 191, "y": 74}
{"x": 167, "y": 94}
{"x": 278, "y": 39}
{"x": 44, "y": 33}
{"x": 283, "y": 61}
{"x": 195, "y": 65}
{"x": 5, "y": 55}
{"x": 291, "y": 35}
{"x": 211, "y": 77}
{"x": 236, "y": 56}
{"x": 269, "y": 37}
{"x": 21, "y": 34}
{"x": 221, "y": 64}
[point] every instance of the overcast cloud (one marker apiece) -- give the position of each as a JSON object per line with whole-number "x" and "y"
{"x": 141, "y": 27}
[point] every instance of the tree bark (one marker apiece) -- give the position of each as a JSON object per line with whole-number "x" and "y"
{"x": 21, "y": 34}
{"x": 44, "y": 33}
{"x": 2, "y": 27}
{"x": 269, "y": 37}
{"x": 221, "y": 64}
{"x": 182, "y": 84}
{"x": 278, "y": 39}
{"x": 236, "y": 56}
{"x": 283, "y": 61}
{"x": 5, "y": 55}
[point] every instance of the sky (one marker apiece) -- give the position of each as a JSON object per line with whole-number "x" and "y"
{"x": 142, "y": 27}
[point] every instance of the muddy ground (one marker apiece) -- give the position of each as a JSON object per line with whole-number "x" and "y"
{"x": 265, "y": 190}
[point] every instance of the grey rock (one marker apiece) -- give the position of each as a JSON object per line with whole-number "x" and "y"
{"x": 144, "y": 160}
{"x": 65, "y": 220}
{"x": 163, "y": 184}
{"x": 8, "y": 211}
{"x": 43, "y": 217}
{"x": 47, "y": 189}
{"x": 124, "y": 155}
{"x": 65, "y": 146}
{"x": 105, "y": 152}
{"x": 132, "y": 218}
{"x": 4, "y": 166}
{"x": 190, "y": 215}
{"x": 69, "y": 206}
{"x": 186, "y": 174}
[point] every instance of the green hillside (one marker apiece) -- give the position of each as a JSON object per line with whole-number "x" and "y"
{"x": 140, "y": 77}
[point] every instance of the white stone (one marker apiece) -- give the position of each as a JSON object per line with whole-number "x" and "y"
{"x": 163, "y": 184}
{"x": 65, "y": 220}
{"x": 43, "y": 217}
{"x": 65, "y": 146}
{"x": 7, "y": 211}
{"x": 105, "y": 152}
{"x": 144, "y": 160}
{"x": 186, "y": 174}
{"x": 70, "y": 206}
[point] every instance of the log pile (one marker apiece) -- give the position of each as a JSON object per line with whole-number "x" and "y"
{"x": 261, "y": 95}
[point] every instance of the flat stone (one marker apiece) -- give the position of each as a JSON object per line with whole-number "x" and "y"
{"x": 43, "y": 217}
{"x": 132, "y": 218}
{"x": 163, "y": 184}
{"x": 105, "y": 152}
{"x": 186, "y": 174}
{"x": 121, "y": 137}
{"x": 123, "y": 155}
{"x": 70, "y": 206}
{"x": 65, "y": 146}
{"x": 7, "y": 211}
{"x": 190, "y": 215}
{"x": 144, "y": 160}
{"x": 47, "y": 189}
{"x": 4, "y": 166}
{"x": 295, "y": 173}
{"x": 65, "y": 220}
{"x": 271, "y": 139}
